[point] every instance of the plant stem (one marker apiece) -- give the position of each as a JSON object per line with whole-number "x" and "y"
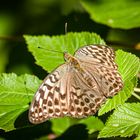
{"x": 137, "y": 89}
{"x": 135, "y": 95}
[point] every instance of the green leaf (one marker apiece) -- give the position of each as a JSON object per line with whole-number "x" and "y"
{"x": 114, "y": 13}
{"x": 69, "y": 43}
{"x": 124, "y": 122}
{"x": 128, "y": 66}
{"x": 14, "y": 97}
{"x": 93, "y": 124}
{"x": 137, "y": 138}
{"x": 59, "y": 125}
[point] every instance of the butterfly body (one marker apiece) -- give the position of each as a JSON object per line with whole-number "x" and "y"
{"x": 72, "y": 62}
{"x": 74, "y": 65}
{"x": 78, "y": 87}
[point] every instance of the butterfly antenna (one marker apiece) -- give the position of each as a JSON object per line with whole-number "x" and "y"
{"x": 66, "y": 36}
{"x": 66, "y": 26}
{"x": 50, "y": 50}
{"x": 29, "y": 101}
{"x": 65, "y": 42}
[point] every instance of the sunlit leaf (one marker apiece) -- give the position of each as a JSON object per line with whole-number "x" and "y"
{"x": 15, "y": 95}
{"x": 50, "y": 53}
{"x": 125, "y": 121}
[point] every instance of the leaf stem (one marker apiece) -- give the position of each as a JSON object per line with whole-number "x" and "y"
{"x": 137, "y": 89}
{"x": 135, "y": 95}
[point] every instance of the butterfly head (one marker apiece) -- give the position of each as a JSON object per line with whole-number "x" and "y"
{"x": 71, "y": 60}
{"x": 68, "y": 57}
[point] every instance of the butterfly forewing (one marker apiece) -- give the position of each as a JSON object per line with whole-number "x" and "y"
{"x": 78, "y": 87}
{"x": 99, "y": 62}
{"x": 97, "y": 55}
{"x": 50, "y": 99}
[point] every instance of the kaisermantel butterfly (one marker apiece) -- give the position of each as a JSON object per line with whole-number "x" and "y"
{"x": 78, "y": 87}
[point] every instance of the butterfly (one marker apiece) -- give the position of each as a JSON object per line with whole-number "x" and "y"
{"x": 78, "y": 87}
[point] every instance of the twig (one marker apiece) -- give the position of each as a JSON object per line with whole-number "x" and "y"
{"x": 12, "y": 38}
{"x": 135, "y": 95}
{"x": 137, "y": 89}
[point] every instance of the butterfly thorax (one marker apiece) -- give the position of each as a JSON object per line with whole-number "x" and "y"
{"x": 74, "y": 63}
{"x": 71, "y": 60}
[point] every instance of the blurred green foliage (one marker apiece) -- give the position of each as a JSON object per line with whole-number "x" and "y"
{"x": 117, "y": 14}
{"x": 117, "y": 22}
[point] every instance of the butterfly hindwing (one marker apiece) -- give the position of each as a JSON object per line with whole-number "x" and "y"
{"x": 84, "y": 100}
